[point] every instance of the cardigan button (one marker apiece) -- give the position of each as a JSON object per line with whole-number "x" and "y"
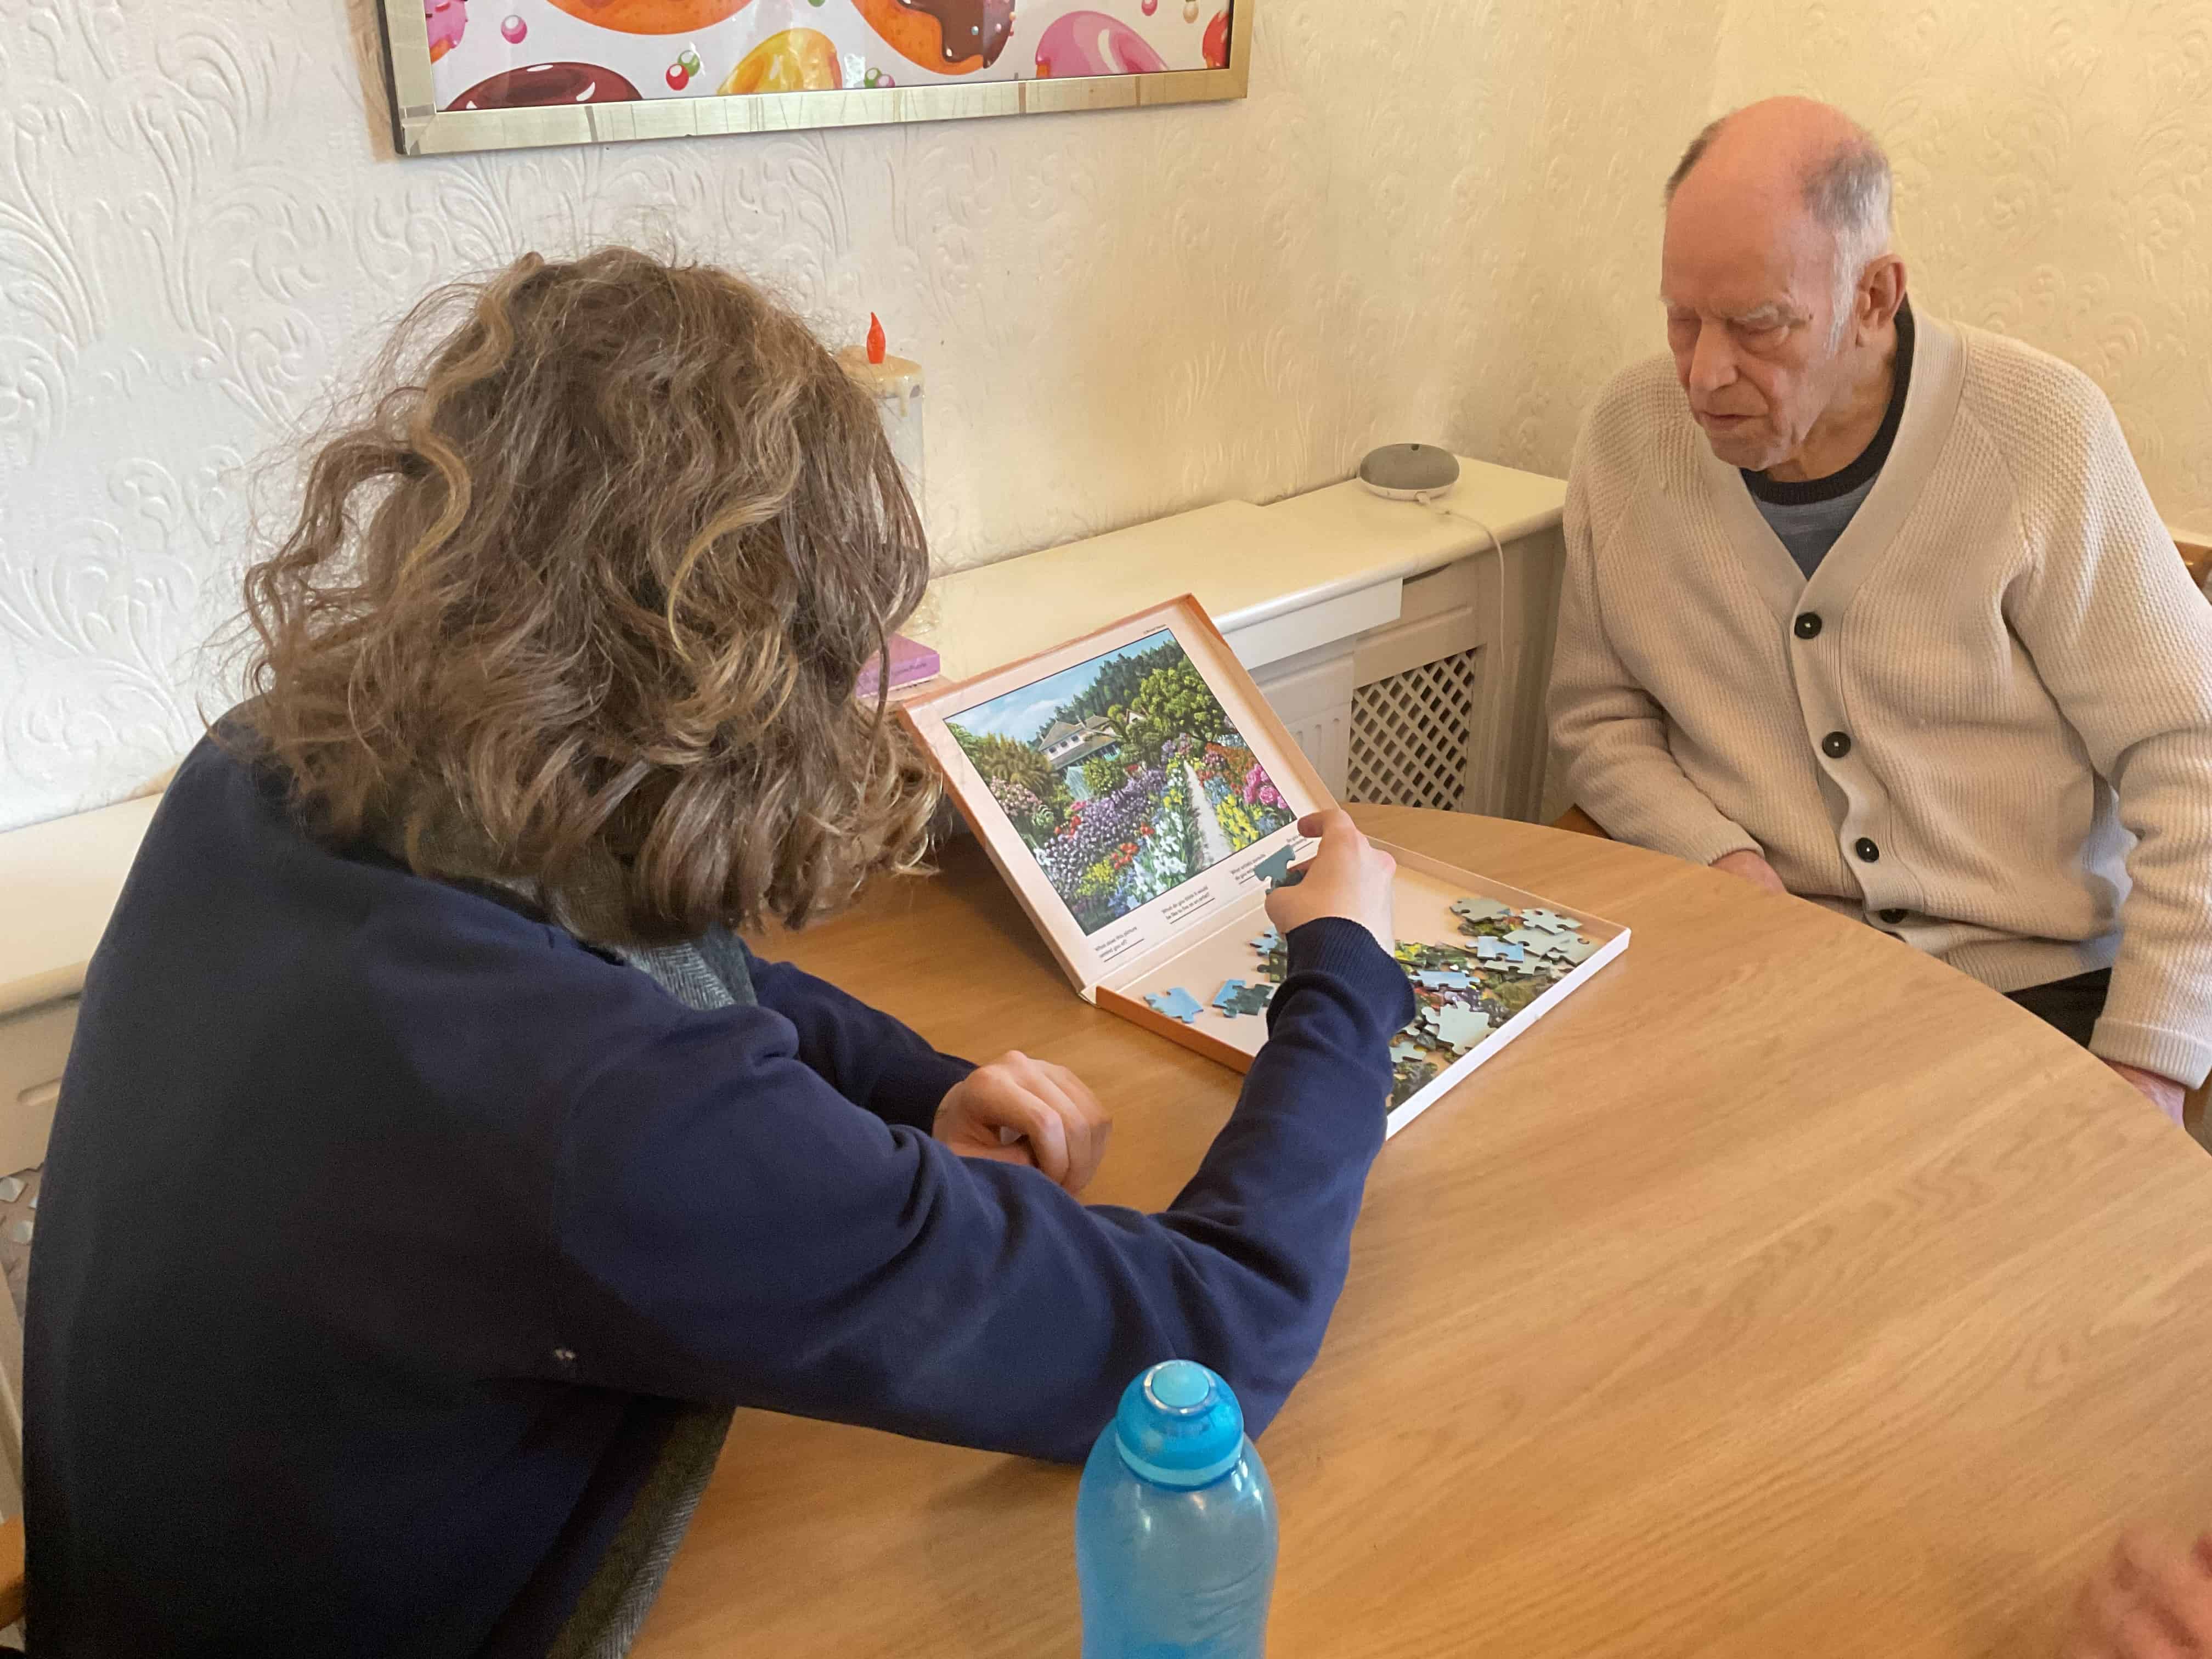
{"x": 1836, "y": 744}
{"x": 1892, "y": 917}
{"x": 1808, "y": 624}
{"x": 1866, "y": 849}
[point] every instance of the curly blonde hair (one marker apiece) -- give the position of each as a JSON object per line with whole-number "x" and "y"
{"x": 587, "y": 583}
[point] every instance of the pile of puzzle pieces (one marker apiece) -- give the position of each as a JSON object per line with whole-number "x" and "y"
{"x": 1520, "y": 941}
{"x": 1461, "y": 993}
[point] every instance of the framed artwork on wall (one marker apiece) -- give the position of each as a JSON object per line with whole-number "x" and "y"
{"x": 507, "y": 74}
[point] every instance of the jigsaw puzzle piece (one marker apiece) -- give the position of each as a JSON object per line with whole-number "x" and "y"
{"x": 1460, "y": 1029}
{"x": 1276, "y": 866}
{"x": 1481, "y": 909}
{"x": 1252, "y": 999}
{"x": 1175, "y": 1003}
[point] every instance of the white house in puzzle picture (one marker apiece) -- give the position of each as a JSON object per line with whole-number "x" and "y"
{"x": 1066, "y": 744}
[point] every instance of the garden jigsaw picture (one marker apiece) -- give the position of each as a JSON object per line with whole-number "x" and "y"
{"x": 1123, "y": 776}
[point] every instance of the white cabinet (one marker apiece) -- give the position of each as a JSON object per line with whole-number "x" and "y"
{"x": 1425, "y": 701}
{"x": 1311, "y": 695}
{"x": 1305, "y": 662}
{"x": 1404, "y": 656}
{"x": 1448, "y": 701}
{"x": 61, "y": 880}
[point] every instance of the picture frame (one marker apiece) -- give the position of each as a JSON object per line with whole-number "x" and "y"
{"x": 482, "y": 75}
{"x": 1141, "y": 798}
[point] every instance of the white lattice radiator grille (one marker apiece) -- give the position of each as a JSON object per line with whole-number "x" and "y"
{"x": 1411, "y": 734}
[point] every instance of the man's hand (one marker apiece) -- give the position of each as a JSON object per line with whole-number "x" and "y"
{"x": 2164, "y": 1092}
{"x": 1050, "y": 1120}
{"x": 1348, "y": 877}
{"x": 2153, "y": 1599}
{"x": 1753, "y": 868}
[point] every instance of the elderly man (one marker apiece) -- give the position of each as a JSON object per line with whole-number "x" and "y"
{"x": 1874, "y": 609}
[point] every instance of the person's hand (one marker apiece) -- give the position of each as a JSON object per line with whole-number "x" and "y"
{"x": 1020, "y": 1110}
{"x": 2151, "y": 1599}
{"x": 2164, "y": 1092}
{"x": 1348, "y": 877}
{"x": 1753, "y": 868}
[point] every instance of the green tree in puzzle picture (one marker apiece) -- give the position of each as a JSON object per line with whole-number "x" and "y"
{"x": 1123, "y": 776}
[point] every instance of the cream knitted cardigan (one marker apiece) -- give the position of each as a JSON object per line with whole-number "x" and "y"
{"x": 2003, "y": 645}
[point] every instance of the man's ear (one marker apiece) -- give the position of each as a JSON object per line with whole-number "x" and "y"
{"x": 1881, "y": 291}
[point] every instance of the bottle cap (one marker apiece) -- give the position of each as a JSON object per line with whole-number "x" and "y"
{"x": 1179, "y": 1425}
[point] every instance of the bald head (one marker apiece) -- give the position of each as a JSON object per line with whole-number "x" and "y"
{"x": 1780, "y": 140}
{"x": 1789, "y": 156}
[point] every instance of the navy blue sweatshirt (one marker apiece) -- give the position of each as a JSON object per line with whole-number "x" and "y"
{"x": 382, "y": 1224}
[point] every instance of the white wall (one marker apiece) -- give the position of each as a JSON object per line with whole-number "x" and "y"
{"x": 1432, "y": 219}
{"x": 2054, "y": 167}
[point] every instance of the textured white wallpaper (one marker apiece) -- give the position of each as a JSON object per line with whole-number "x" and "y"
{"x": 1432, "y": 218}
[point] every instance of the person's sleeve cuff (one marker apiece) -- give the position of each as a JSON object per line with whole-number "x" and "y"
{"x": 2181, "y": 1055}
{"x": 921, "y": 1091}
{"x": 1714, "y": 844}
{"x": 1677, "y": 821}
{"x": 1340, "y": 947}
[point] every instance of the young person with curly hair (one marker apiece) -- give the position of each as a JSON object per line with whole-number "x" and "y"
{"x": 434, "y": 1170}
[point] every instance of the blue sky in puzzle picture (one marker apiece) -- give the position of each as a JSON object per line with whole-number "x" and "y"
{"x": 1023, "y": 714}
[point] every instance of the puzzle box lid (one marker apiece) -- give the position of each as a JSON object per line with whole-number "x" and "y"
{"x": 1065, "y": 762}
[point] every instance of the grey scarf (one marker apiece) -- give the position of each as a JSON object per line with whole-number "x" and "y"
{"x": 708, "y": 974}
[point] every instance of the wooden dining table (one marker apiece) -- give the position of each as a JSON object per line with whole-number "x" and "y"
{"x": 1782, "y": 1293}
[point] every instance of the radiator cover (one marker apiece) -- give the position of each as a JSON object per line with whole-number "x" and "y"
{"x": 1412, "y": 733}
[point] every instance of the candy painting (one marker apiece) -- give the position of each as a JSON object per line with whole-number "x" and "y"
{"x": 519, "y": 54}
{"x": 1122, "y": 775}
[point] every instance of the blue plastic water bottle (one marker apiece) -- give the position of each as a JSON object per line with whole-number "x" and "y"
{"x": 1175, "y": 1525}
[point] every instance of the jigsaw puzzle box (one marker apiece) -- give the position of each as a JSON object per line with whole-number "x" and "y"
{"x": 1141, "y": 798}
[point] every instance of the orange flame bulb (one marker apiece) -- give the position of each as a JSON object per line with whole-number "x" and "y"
{"x": 875, "y": 338}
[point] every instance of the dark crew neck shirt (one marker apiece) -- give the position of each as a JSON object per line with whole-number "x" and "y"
{"x": 1810, "y": 515}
